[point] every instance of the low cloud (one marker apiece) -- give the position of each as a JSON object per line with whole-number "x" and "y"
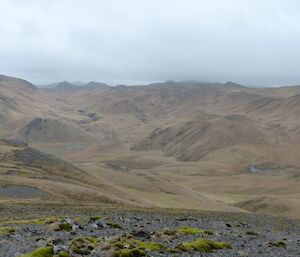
{"x": 251, "y": 42}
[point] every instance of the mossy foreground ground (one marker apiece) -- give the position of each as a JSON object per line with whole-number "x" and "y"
{"x": 56, "y": 231}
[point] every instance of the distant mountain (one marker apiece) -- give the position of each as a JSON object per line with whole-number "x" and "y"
{"x": 172, "y": 144}
{"x": 6, "y": 81}
{"x": 53, "y": 130}
{"x": 65, "y": 85}
{"x": 62, "y": 84}
{"x": 95, "y": 85}
{"x": 195, "y": 139}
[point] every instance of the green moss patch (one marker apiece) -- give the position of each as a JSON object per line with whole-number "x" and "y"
{"x": 203, "y": 245}
{"x": 193, "y": 231}
{"x": 124, "y": 244}
{"x": 64, "y": 226}
{"x": 84, "y": 245}
{"x": 93, "y": 240}
{"x": 7, "y": 230}
{"x": 130, "y": 253}
{"x": 120, "y": 244}
{"x": 278, "y": 244}
{"x": 252, "y": 233}
{"x": 95, "y": 218}
{"x": 64, "y": 254}
{"x": 151, "y": 246}
{"x": 113, "y": 225}
{"x": 40, "y": 252}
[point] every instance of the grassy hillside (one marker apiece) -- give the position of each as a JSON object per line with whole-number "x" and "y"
{"x": 206, "y": 146}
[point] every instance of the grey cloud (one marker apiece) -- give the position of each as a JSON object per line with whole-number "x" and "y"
{"x": 248, "y": 41}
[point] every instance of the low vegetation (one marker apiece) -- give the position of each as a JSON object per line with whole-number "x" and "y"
{"x": 7, "y": 230}
{"x": 63, "y": 254}
{"x": 95, "y": 218}
{"x": 252, "y": 233}
{"x": 151, "y": 246}
{"x": 130, "y": 253}
{"x": 203, "y": 245}
{"x": 64, "y": 226}
{"x": 136, "y": 239}
{"x": 40, "y": 252}
{"x": 84, "y": 245}
{"x": 123, "y": 244}
{"x": 113, "y": 225}
{"x": 278, "y": 244}
{"x": 193, "y": 231}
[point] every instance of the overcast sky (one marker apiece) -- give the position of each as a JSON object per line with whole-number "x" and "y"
{"x": 253, "y": 42}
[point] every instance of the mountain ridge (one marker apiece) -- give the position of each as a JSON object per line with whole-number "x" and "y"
{"x": 174, "y": 144}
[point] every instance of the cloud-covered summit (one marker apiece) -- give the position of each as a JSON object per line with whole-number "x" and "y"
{"x": 252, "y": 42}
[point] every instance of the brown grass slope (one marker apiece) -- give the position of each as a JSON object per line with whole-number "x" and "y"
{"x": 30, "y": 175}
{"x": 172, "y": 144}
{"x": 47, "y": 129}
{"x": 195, "y": 139}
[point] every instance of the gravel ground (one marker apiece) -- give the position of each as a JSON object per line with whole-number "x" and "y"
{"x": 249, "y": 235}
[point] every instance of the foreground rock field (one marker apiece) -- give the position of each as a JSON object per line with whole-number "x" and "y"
{"x": 124, "y": 233}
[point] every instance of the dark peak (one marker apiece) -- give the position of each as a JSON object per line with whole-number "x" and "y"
{"x": 17, "y": 81}
{"x": 232, "y": 84}
{"x": 65, "y": 85}
{"x": 94, "y": 84}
